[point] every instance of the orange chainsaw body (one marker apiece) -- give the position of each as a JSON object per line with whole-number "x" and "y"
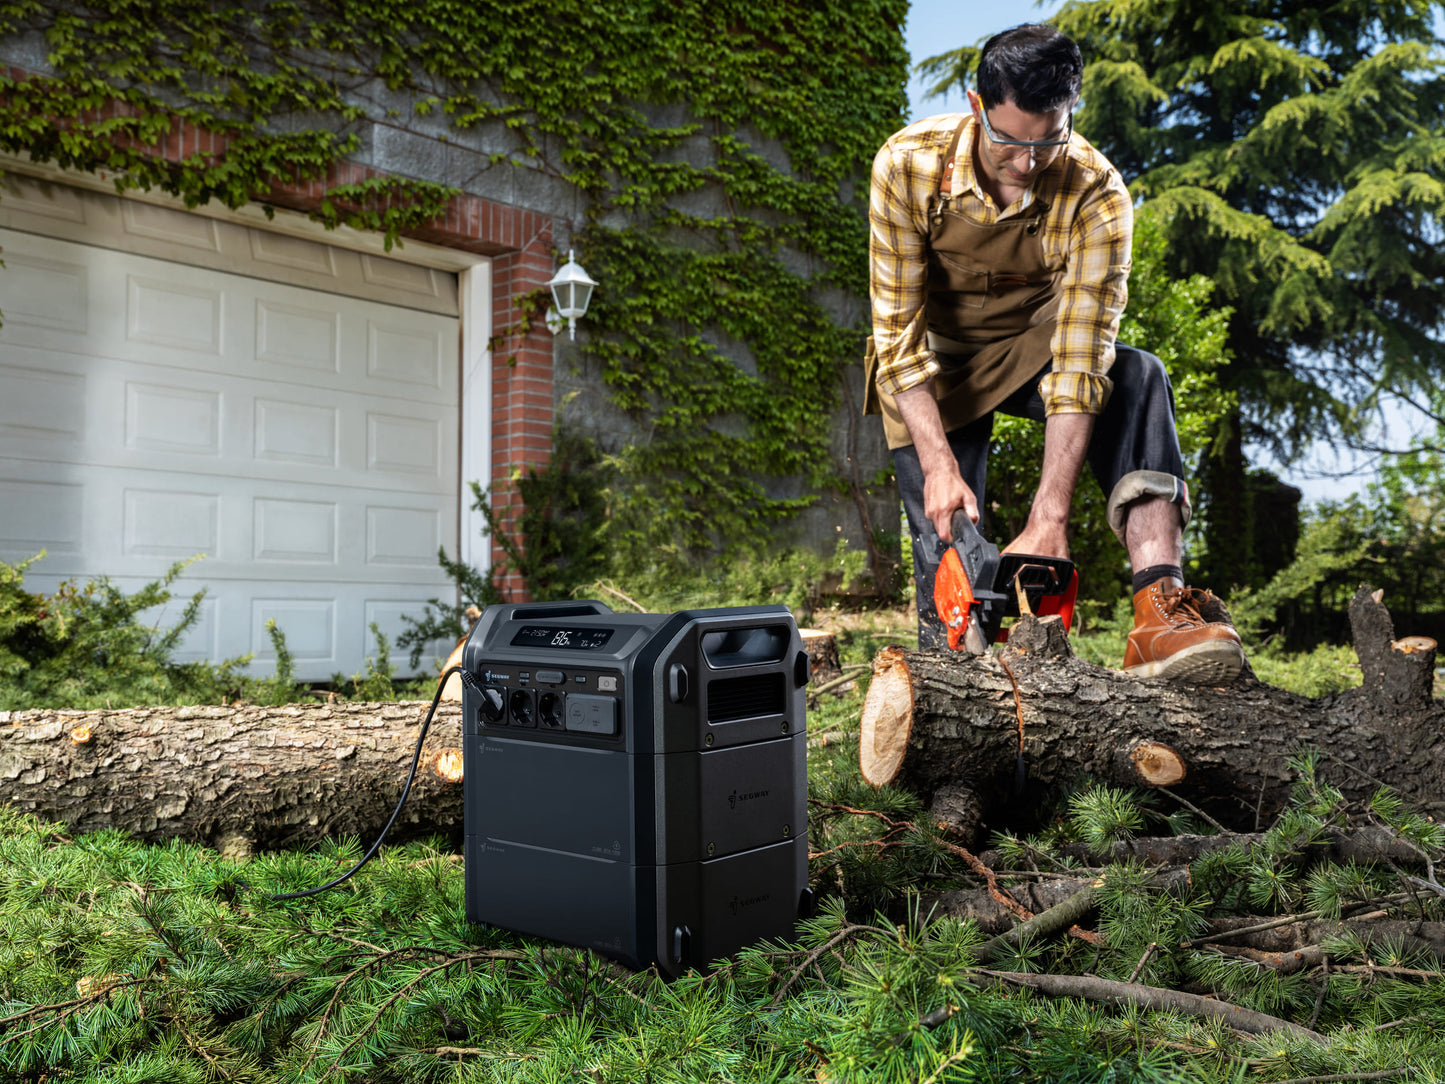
{"x": 976, "y": 587}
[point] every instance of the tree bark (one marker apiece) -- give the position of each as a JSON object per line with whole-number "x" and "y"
{"x": 238, "y": 777}
{"x": 1000, "y": 729}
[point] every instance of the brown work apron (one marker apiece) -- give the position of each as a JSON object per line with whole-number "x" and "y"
{"x": 991, "y": 307}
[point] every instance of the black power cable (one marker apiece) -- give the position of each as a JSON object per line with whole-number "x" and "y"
{"x": 470, "y": 682}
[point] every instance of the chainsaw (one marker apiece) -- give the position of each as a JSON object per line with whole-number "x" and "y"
{"x": 977, "y": 587}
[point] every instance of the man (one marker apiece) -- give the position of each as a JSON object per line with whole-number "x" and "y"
{"x": 1000, "y": 251}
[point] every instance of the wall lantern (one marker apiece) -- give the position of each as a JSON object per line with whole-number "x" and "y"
{"x": 571, "y": 290}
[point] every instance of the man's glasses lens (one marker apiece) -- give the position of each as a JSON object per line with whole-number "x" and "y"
{"x": 1037, "y": 144}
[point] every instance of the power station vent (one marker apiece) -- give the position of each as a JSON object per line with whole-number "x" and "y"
{"x": 731, "y": 699}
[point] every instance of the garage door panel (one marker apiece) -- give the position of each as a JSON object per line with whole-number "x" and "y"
{"x": 298, "y": 336}
{"x": 305, "y": 443}
{"x": 403, "y": 353}
{"x": 41, "y": 407}
{"x": 402, "y": 537}
{"x": 145, "y": 220}
{"x": 304, "y": 434}
{"x": 202, "y": 640}
{"x": 308, "y": 624}
{"x": 45, "y": 294}
{"x": 294, "y": 531}
{"x": 169, "y": 313}
{"x": 172, "y": 419}
{"x": 40, "y": 514}
{"x": 170, "y": 524}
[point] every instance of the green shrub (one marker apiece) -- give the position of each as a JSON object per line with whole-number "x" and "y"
{"x": 88, "y": 647}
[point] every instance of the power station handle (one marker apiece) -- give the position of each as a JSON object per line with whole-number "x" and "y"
{"x": 677, "y": 682}
{"x": 802, "y": 669}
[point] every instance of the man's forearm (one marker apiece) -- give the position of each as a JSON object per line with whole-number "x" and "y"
{"x": 944, "y": 490}
{"x": 919, "y": 410}
{"x": 1066, "y": 442}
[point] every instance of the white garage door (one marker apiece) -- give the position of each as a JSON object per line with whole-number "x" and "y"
{"x": 174, "y": 385}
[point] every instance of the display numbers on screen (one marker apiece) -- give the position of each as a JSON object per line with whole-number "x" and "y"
{"x": 572, "y": 639}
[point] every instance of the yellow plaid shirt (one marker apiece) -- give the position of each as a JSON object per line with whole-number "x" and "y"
{"x": 1086, "y": 234}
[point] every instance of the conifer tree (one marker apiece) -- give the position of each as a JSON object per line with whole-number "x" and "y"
{"x": 1295, "y": 151}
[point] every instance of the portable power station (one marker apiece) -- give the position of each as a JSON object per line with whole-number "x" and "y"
{"x": 636, "y": 784}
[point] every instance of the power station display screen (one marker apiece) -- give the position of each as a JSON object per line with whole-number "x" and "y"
{"x": 555, "y": 637}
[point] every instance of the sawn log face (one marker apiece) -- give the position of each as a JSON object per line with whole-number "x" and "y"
{"x": 276, "y": 776}
{"x": 1081, "y": 720}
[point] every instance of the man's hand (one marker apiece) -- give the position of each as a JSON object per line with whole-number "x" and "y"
{"x": 1046, "y": 540}
{"x": 944, "y": 493}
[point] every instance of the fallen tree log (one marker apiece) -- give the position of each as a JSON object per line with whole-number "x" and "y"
{"x": 982, "y": 739}
{"x": 236, "y": 777}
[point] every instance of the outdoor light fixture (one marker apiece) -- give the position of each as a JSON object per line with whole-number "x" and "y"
{"x": 571, "y": 290}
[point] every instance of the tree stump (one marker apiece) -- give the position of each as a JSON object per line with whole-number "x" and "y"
{"x": 974, "y": 736}
{"x": 822, "y": 649}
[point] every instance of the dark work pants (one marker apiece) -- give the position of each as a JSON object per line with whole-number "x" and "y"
{"x": 1134, "y": 453}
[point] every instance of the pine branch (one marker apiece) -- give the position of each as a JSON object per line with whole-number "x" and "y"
{"x": 70, "y": 1008}
{"x": 393, "y": 955}
{"x": 1152, "y": 998}
{"x": 817, "y": 954}
{"x": 1339, "y": 1078}
{"x": 486, "y": 954}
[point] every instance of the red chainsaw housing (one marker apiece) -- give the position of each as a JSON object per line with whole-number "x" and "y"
{"x": 953, "y": 597}
{"x": 955, "y": 601}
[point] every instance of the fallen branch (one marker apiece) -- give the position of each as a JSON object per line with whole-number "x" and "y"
{"x": 1056, "y": 918}
{"x": 1283, "y": 920}
{"x": 1338, "y": 1078}
{"x": 1367, "y": 843}
{"x": 1152, "y": 998}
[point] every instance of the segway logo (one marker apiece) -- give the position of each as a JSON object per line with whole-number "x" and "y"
{"x": 745, "y": 796}
{"x": 740, "y": 903}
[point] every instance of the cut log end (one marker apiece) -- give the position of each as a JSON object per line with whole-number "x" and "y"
{"x": 447, "y": 765}
{"x": 1156, "y": 764}
{"x": 887, "y": 719}
{"x": 1414, "y": 645}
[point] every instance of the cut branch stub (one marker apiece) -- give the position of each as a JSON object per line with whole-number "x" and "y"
{"x": 887, "y": 718}
{"x": 1157, "y": 764}
{"x": 1399, "y": 675}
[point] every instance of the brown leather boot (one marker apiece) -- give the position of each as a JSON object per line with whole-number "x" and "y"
{"x": 1172, "y": 641}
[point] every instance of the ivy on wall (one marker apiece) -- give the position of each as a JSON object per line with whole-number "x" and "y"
{"x": 719, "y": 149}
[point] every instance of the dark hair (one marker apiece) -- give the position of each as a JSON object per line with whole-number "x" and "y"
{"x": 1033, "y": 66}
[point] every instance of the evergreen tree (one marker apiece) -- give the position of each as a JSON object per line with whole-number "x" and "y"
{"x": 1296, "y": 151}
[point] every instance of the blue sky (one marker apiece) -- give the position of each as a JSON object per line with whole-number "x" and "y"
{"x": 936, "y": 26}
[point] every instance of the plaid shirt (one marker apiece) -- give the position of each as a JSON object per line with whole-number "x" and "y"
{"x": 1086, "y": 234}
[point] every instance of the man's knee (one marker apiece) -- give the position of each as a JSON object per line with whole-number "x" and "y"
{"x": 1139, "y": 375}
